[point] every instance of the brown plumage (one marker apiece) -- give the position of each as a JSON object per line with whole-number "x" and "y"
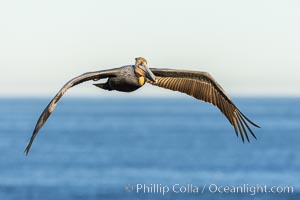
{"x": 204, "y": 87}
{"x": 131, "y": 77}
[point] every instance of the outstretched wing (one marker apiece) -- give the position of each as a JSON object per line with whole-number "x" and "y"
{"x": 51, "y": 106}
{"x": 204, "y": 87}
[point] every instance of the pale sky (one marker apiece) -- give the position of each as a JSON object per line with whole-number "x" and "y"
{"x": 250, "y": 47}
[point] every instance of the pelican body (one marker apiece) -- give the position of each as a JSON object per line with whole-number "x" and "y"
{"x": 129, "y": 78}
{"x": 124, "y": 80}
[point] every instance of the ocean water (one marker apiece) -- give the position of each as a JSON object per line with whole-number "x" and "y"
{"x": 140, "y": 148}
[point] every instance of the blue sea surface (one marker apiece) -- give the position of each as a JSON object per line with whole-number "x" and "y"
{"x": 108, "y": 148}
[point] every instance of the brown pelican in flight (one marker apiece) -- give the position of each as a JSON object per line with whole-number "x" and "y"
{"x": 129, "y": 78}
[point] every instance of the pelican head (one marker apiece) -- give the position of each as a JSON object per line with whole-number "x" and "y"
{"x": 142, "y": 69}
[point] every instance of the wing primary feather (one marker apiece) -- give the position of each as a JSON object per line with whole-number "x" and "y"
{"x": 243, "y": 127}
{"x": 208, "y": 92}
{"x": 204, "y": 88}
{"x": 249, "y": 120}
{"x": 167, "y": 82}
{"x": 227, "y": 113}
{"x": 248, "y": 127}
{"x": 193, "y": 88}
{"x": 241, "y": 132}
{"x": 235, "y": 127}
{"x": 181, "y": 85}
{"x": 213, "y": 97}
{"x": 164, "y": 81}
{"x": 189, "y": 86}
{"x": 176, "y": 83}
